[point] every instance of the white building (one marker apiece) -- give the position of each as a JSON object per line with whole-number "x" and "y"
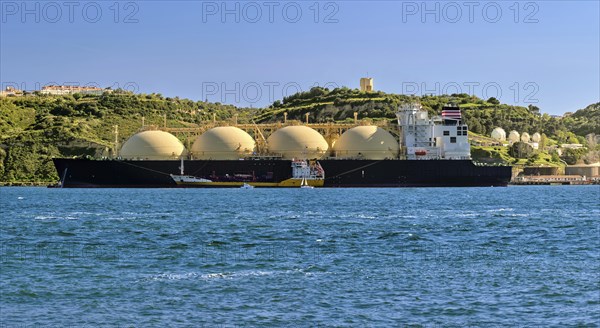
{"x": 69, "y": 89}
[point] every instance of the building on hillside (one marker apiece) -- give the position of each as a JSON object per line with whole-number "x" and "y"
{"x": 571, "y": 146}
{"x": 70, "y": 89}
{"x": 366, "y": 84}
{"x": 11, "y": 92}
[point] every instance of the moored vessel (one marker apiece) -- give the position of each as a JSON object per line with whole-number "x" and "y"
{"x": 418, "y": 152}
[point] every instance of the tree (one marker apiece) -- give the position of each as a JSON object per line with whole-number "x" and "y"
{"x": 521, "y": 150}
{"x": 555, "y": 157}
{"x": 572, "y": 156}
{"x": 494, "y": 101}
{"x": 591, "y": 141}
{"x": 533, "y": 109}
{"x": 534, "y": 157}
{"x": 543, "y": 140}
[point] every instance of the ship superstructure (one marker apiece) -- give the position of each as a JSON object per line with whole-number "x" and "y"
{"x": 441, "y": 137}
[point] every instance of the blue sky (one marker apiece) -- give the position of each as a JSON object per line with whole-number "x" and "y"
{"x": 543, "y": 53}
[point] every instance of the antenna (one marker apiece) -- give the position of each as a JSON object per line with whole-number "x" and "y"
{"x": 116, "y": 152}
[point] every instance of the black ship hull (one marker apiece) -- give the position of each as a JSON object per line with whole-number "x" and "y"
{"x": 82, "y": 173}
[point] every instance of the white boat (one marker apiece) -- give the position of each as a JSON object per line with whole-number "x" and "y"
{"x": 246, "y": 186}
{"x": 305, "y": 185}
{"x": 182, "y": 178}
{"x": 187, "y": 178}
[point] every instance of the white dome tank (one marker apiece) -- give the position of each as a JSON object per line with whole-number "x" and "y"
{"x": 298, "y": 141}
{"x": 536, "y": 137}
{"x": 368, "y": 142}
{"x": 513, "y": 136}
{"x": 223, "y": 143}
{"x": 525, "y": 137}
{"x": 499, "y": 134}
{"x": 153, "y": 145}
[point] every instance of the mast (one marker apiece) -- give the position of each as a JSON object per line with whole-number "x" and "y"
{"x": 116, "y": 151}
{"x": 181, "y": 166}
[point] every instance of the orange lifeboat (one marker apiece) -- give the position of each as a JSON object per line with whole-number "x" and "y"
{"x": 421, "y": 152}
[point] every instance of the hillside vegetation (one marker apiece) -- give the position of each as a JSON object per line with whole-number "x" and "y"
{"x": 36, "y": 128}
{"x": 482, "y": 116}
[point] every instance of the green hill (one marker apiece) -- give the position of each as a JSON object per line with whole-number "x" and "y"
{"x": 584, "y": 121}
{"x": 36, "y": 128}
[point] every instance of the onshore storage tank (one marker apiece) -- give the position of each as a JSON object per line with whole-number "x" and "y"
{"x": 152, "y": 145}
{"x": 542, "y": 170}
{"x": 297, "y": 141}
{"x": 525, "y": 137}
{"x": 223, "y": 143}
{"x": 583, "y": 170}
{"x": 499, "y": 134}
{"x": 367, "y": 142}
{"x": 514, "y": 136}
{"x": 536, "y": 137}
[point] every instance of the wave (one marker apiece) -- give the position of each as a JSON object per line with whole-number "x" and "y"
{"x": 52, "y": 217}
{"x": 171, "y": 276}
{"x": 508, "y": 209}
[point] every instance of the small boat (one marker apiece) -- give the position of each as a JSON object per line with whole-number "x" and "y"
{"x": 246, "y": 186}
{"x": 188, "y": 179}
{"x": 181, "y": 178}
{"x": 305, "y": 185}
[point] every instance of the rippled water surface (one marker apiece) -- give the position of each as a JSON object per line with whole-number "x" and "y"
{"x": 516, "y": 256}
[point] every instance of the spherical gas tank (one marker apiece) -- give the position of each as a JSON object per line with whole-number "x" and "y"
{"x": 525, "y": 137}
{"x": 366, "y": 142}
{"x": 499, "y": 134}
{"x": 223, "y": 143}
{"x": 514, "y": 136}
{"x": 300, "y": 142}
{"x": 152, "y": 145}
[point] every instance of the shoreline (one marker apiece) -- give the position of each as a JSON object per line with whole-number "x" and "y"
{"x": 26, "y": 184}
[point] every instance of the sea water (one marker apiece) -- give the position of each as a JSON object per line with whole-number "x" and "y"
{"x": 422, "y": 257}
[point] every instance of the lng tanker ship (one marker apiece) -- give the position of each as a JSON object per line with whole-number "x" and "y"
{"x": 426, "y": 152}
